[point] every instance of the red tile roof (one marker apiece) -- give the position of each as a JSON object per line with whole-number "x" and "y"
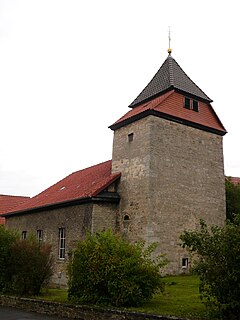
{"x": 8, "y": 203}
{"x": 88, "y": 182}
{"x": 234, "y": 180}
{"x": 171, "y": 104}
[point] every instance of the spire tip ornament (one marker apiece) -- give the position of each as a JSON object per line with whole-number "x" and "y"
{"x": 169, "y": 41}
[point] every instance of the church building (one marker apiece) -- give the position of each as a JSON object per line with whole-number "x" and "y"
{"x": 166, "y": 174}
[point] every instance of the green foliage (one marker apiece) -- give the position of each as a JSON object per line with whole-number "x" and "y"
{"x": 106, "y": 269}
{"x": 218, "y": 265}
{"x": 31, "y": 266}
{"x": 7, "y": 238}
{"x": 232, "y": 199}
{"x": 25, "y": 265}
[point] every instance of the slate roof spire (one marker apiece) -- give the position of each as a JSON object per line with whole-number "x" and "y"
{"x": 170, "y": 76}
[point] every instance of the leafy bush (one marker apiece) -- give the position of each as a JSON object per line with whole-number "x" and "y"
{"x": 106, "y": 269}
{"x": 232, "y": 199}
{"x": 7, "y": 238}
{"x": 25, "y": 265}
{"x": 218, "y": 264}
{"x": 31, "y": 266}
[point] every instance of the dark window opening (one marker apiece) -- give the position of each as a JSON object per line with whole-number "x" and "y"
{"x": 187, "y": 103}
{"x": 184, "y": 263}
{"x": 130, "y": 137}
{"x": 24, "y": 235}
{"x": 191, "y": 104}
{"x": 40, "y": 235}
{"x": 61, "y": 243}
{"x": 126, "y": 221}
{"x": 195, "y": 105}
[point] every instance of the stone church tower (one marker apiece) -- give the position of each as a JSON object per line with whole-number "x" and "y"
{"x": 168, "y": 148}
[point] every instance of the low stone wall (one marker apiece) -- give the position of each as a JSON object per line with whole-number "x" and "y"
{"x": 76, "y": 312}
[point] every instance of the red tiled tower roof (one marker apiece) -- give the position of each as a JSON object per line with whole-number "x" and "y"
{"x": 80, "y": 185}
{"x": 164, "y": 97}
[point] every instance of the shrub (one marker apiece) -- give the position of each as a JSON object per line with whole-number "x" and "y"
{"x": 31, "y": 266}
{"x": 218, "y": 264}
{"x": 107, "y": 269}
{"x": 7, "y": 238}
{"x": 232, "y": 199}
{"x": 25, "y": 265}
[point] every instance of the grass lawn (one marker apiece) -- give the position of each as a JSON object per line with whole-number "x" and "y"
{"x": 180, "y": 298}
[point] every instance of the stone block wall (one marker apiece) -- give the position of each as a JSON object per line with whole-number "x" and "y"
{"x": 172, "y": 176}
{"x": 75, "y": 219}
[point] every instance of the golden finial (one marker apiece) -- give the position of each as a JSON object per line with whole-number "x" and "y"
{"x": 169, "y": 41}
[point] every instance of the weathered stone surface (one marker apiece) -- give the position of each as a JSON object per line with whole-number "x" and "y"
{"x": 77, "y": 312}
{"x": 75, "y": 219}
{"x": 172, "y": 176}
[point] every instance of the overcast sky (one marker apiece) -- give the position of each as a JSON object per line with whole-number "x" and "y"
{"x": 69, "y": 69}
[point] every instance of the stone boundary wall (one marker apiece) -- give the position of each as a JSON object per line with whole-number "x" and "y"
{"x": 76, "y": 312}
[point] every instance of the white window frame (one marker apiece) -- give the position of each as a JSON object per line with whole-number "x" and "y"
{"x": 61, "y": 243}
{"x": 40, "y": 235}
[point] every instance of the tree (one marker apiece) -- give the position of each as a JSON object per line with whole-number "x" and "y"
{"x": 217, "y": 261}
{"x": 107, "y": 269}
{"x": 232, "y": 199}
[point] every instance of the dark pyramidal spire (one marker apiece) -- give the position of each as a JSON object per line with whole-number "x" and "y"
{"x": 169, "y": 76}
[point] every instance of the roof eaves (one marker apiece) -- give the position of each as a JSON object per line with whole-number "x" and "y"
{"x": 159, "y": 114}
{"x": 191, "y": 95}
{"x": 110, "y": 181}
{"x": 151, "y": 98}
{"x": 114, "y": 197}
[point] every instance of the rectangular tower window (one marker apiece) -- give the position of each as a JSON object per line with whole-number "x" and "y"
{"x": 184, "y": 263}
{"x": 195, "y": 105}
{"x": 40, "y": 235}
{"x": 61, "y": 243}
{"x": 24, "y": 235}
{"x": 130, "y": 137}
{"x": 187, "y": 103}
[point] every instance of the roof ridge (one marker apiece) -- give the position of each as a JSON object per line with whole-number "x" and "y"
{"x": 171, "y": 75}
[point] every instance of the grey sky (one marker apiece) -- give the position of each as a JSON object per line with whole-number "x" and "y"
{"x": 69, "y": 69}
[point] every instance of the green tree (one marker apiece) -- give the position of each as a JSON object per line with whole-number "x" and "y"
{"x": 232, "y": 199}
{"x": 217, "y": 261}
{"x": 107, "y": 269}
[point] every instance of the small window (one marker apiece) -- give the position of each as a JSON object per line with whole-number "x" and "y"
{"x": 24, "y": 235}
{"x": 195, "y": 105}
{"x": 184, "y": 263}
{"x": 126, "y": 221}
{"x": 187, "y": 103}
{"x": 130, "y": 137}
{"x": 40, "y": 235}
{"x": 62, "y": 243}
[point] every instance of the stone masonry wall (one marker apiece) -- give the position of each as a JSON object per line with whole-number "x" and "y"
{"x": 132, "y": 159}
{"x": 104, "y": 217}
{"x": 72, "y": 311}
{"x": 172, "y": 176}
{"x": 75, "y": 219}
{"x": 187, "y": 184}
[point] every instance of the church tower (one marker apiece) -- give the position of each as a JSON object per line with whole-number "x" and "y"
{"x": 168, "y": 148}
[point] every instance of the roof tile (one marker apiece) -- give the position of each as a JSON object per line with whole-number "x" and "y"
{"x": 169, "y": 76}
{"x": 80, "y": 184}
